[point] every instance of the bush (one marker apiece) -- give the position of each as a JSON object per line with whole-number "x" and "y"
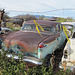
{"x": 13, "y": 26}
{"x": 8, "y": 66}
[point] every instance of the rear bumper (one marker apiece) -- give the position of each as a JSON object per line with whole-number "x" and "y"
{"x": 31, "y": 60}
{"x": 27, "y": 59}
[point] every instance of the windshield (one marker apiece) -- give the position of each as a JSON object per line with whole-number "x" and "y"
{"x": 32, "y": 27}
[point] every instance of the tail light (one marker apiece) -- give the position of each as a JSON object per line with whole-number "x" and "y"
{"x": 41, "y": 45}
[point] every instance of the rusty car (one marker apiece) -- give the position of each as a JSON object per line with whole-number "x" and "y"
{"x": 68, "y": 58}
{"x": 31, "y": 45}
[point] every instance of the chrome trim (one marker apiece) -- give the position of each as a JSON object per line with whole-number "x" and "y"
{"x": 10, "y": 56}
{"x": 25, "y": 59}
{"x": 33, "y": 61}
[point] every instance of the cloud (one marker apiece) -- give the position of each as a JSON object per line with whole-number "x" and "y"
{"x": 37, "y": 5}
{"x": 40, "y": 5}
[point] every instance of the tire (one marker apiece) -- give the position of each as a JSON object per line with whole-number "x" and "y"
{"x": 49, "y": 61}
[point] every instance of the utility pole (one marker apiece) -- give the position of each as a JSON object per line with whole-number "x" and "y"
{"x": 1, "y": 17}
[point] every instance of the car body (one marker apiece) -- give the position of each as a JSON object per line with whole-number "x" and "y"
{"x": 31, "y": 45}
{"x": 69, "y": 23}
{"x": 69, "y": 26}
{"x": 68, "y": 58}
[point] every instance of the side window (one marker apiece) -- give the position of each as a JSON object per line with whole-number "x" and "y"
{"x": 61, "y": 28}
{"x": 57, "y": 28}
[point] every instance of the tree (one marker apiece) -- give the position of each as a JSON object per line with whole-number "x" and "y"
{"x": 6, "y": 16}
{"x": 30, "y": 17}
{"x": 41, "y": 17}
{"x": 69, "y": 19}
{"x": 27, "y": 17}
{"x": 61, "y": 19}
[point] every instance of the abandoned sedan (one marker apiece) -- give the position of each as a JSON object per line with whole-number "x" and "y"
{"x": 31, "y": 45}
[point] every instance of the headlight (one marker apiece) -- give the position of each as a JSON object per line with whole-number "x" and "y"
{"x": 65, "y": 54}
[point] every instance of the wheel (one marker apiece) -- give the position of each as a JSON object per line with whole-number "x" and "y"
{"x": 49, "y": 61}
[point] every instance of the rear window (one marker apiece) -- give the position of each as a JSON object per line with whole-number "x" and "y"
{"x": 32, "y": 27}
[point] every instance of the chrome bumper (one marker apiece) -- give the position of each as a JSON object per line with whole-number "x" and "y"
{"x": 67, "y": 67}
{"x": 26, "y": 59}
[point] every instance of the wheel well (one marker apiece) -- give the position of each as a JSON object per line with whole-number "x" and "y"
{"x": 49, "y": 55}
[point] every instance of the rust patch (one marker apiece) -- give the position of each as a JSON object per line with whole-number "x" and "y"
{"x": 49, "y": 39}
{"x": 22, "y": 49}
{"x": 28, "y": 40}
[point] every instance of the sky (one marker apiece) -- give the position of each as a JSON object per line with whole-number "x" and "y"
{"x": 21, "y": 7}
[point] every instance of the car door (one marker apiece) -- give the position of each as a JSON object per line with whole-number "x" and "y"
{"x": 59, "y": 32}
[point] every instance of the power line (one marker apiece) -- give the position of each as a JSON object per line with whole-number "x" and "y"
{"x": 42, "y": 12}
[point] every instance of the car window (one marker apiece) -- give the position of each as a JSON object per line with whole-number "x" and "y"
{"x": 61, "y": 28}
{"x": 57, "y": 28}
{"x": 32, "y": 27}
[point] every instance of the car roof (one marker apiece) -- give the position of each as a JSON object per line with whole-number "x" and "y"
{"x": 43, "y": 22}
{"x": 69, "y": 23}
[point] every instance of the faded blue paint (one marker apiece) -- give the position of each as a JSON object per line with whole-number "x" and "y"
{"x": 61, "y": 39}
{"x": 64, "y": 37}
{"x": 39, "y": 53}
{"x": 48, "y": 49}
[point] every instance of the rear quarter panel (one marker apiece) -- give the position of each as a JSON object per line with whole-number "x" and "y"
{"x": 49, "y": 48}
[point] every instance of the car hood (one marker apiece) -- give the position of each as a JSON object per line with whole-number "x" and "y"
{"x": 27, "y": 40}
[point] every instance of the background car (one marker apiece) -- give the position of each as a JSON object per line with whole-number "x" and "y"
{"x": 18, "y": 21}
{"x": 68, "y": 58}
{"x": 5, "y": 30}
